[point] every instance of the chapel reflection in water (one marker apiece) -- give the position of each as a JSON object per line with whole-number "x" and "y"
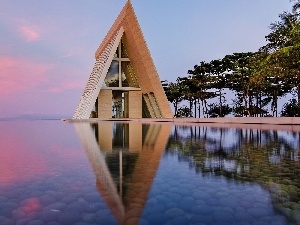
{"x": 125, "y": 158}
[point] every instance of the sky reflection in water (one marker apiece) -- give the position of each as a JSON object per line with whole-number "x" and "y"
{"x": 129, "y": 173}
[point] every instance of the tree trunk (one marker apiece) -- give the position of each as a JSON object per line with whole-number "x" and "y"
{"x": 195, "y": 110}
{"x": 220, "y": 103}
{"x": 260, "y": 102}
{"x": 276, "y": 101}
{"x": 245, "y": 97}
{"x": 199, "y": 108}
{"x": 257, "y": 105}
{"x": 298, "y": 93}
{"x": 203, "y": 109}
{"x": 205, "y": 105}
{"x": 191, "y": 106}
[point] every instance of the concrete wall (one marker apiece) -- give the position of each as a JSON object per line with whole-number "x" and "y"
{"x": 105, "y": 104}
{"x": 135, "y": 104}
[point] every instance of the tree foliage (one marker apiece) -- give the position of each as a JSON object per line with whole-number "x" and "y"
{"x": 291, "y": 109}
{"x": 257, "y": 79}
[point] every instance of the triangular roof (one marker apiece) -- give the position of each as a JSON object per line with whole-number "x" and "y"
{"x": 126, "y": 24}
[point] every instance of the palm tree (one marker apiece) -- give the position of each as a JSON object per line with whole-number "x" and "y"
{"x": 283, "y": 51}
{"x": 173, "y": 92}
{"x": 296, "y": 6}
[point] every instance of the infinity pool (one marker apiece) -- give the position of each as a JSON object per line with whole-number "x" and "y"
{"x": 52, "y": 172}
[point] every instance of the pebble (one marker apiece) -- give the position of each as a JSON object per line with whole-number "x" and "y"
{"x": 68, "y": 199}
{"x": 180, "y": 191}
{"x": 151, "y": 201}
{"x": 187, "y": 203}
{"x": 223, "y": 217}
{"x": 162, "y": 199}
{"x": 57, "y": 206}
{"x": 212, "y": 202}
{"x": 243, "y": 217}
{"x": 203, "y": 210}
{"x": 257, "y": 212}
{"x": 106, "y": 220}
{"x": 229, "y": 202}
{"x": 180, "y": 220}
{"x": 7, "y": 222}
{"x": 171, "y": 205}
{"x": 36, "y": 222}
{"x": 88, "y": 217}
{"x": 48, "y": 214}
{"x": 17, "y": 214}
{"x": 159, "y": 208}
{"x": 47, "y": 200}
{"x": 157, "y": 218}
{"x": 3, "y": 199}
{"x": 201, "y": 195}
{"x": 74, "y": 207}
{"x": 175, "y": 212}
{"x": 81, "y": 223}
{"x": 92, "y": 197}
{"x": 173, "y": 196}
{"x": 260, "y": 223}
{"x": 206, "y": 219}
{"x": 67, "y": 218}
{"x": 6, "y": 208}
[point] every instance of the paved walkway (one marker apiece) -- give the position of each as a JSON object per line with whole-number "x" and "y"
{"x": 262, "y": 123}
{"x": 231, "y": 120}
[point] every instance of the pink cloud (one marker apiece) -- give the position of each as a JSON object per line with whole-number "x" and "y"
{"x": 29, "y": 33}
{"x": 65, "y": 86}
{"x": 18, "y": 74}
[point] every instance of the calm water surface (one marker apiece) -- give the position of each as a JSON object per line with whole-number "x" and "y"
{"x": 53, "y": 172}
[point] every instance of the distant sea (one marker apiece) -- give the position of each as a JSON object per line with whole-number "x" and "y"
{"x": 38, "y": 117}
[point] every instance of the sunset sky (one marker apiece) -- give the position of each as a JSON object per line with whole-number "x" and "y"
{"x": 47, "y": 47}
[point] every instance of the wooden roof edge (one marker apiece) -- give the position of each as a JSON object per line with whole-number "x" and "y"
{"x": 112, "y": 31}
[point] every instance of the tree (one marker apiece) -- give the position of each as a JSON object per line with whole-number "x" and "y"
{"x": 241, "y": 70}
{"x": 173, "y": 92}
{"x": 219, "y": 80}
{"x": 296, "y": 6}
{"x": 214, "y": 110}
{"x": 201, "y": 79}
{"x": 283, "y": 51}
{"x": 291, "y": 108}
{"x": 183, "y": 111}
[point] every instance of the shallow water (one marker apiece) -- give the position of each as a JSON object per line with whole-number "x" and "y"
{"x": 128, "y": 173}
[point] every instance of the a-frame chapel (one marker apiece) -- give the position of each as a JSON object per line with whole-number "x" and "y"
{"x": 124, "y": 82}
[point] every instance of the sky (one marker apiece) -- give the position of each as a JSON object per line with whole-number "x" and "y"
{"x": 47, "y": 47}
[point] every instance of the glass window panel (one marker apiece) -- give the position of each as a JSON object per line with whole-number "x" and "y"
{"x": 123, "y": 77}
{"x": 112, "y": 77}
{"x": 117, "y": 53}
{"x": 123, "y": 51}
{"x": 128, "y": 76}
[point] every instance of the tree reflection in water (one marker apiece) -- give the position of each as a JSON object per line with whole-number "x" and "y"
{"x": 267, "y": 157}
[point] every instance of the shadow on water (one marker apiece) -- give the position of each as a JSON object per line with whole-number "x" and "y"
{"x": 126, "y": 158}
